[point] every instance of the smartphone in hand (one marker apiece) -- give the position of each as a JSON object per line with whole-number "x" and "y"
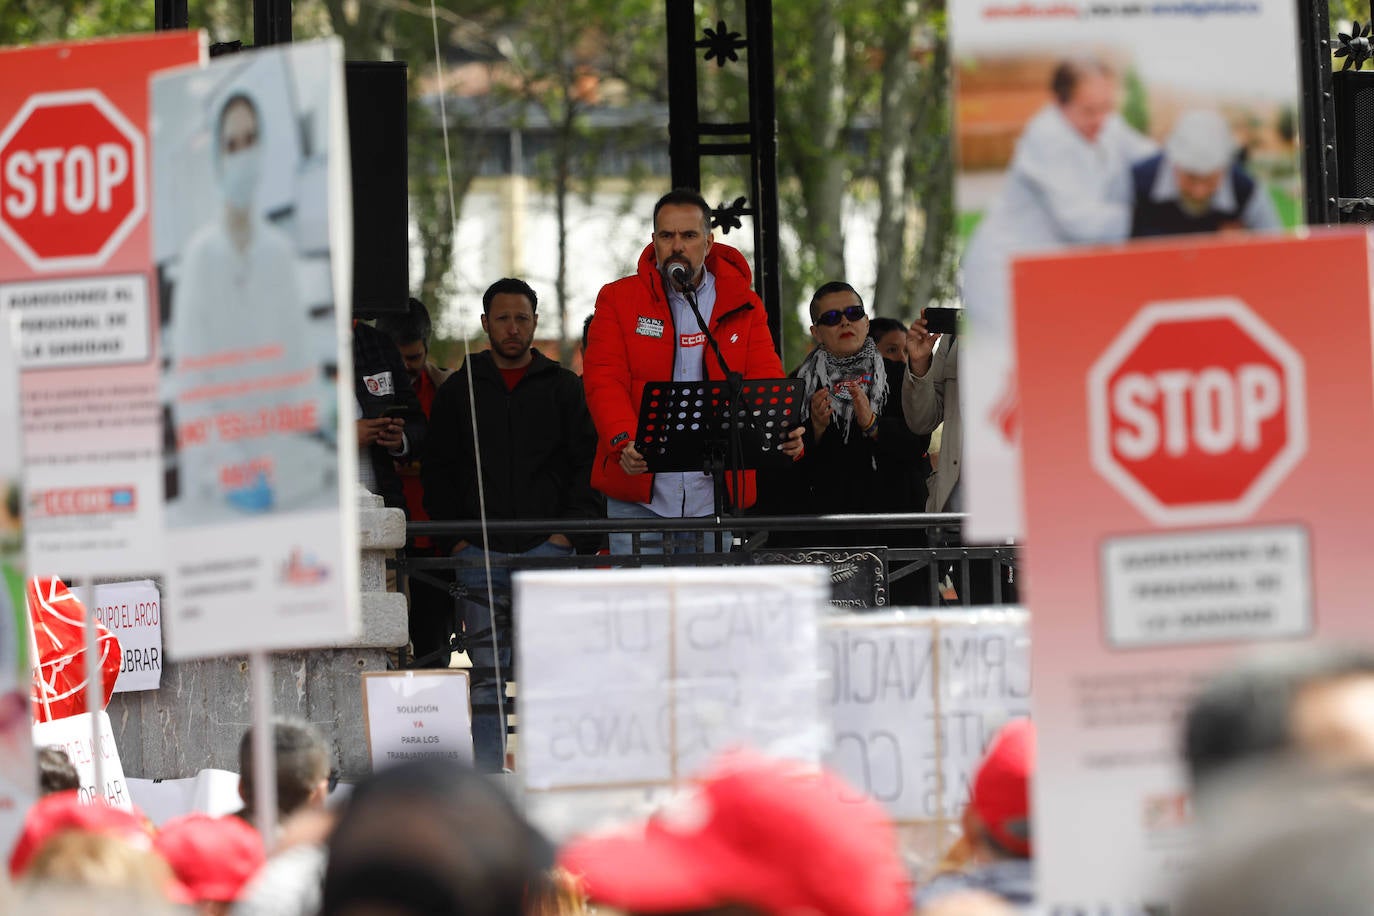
{"x": 941, "y": 321}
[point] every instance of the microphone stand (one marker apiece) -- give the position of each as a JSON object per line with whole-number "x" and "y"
{"x": 733, "y": 460}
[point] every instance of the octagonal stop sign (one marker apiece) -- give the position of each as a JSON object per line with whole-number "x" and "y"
{"x": 1197, "y": 411}
{"x": 71, "y": 180}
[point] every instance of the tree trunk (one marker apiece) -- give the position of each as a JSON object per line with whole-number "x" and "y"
{"x": 895, "y": 135}
{"x": 823, "y": 171}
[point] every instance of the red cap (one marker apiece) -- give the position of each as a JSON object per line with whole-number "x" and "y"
{"x": 214, "y": 857}
{"x": 1001, "y": 787}
{"x": 772, "y": 835}
{"x": 63, "y": 811}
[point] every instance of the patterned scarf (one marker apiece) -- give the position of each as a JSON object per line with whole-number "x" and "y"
{"x": 824, "y": 370}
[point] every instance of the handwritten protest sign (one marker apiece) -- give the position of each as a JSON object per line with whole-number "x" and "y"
{"x": 637, "y": 678}
{"x": 413, "y": 715}
{"x": 133, "y": 612}
{"x": 915, "y": 698}
{"x": 75, "y": 736}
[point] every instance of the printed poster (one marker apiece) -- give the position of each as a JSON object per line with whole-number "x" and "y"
{"x": 18, "y": 769}
{"x": 132, "y": 611}
{"x": 1082, "y": 122}
{"x": 1206, "y": 432}
{"x": 75, "y": 197}
{"x": 253, "y": 251}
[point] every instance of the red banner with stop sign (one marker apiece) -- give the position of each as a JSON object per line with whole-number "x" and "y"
{"x": 1197, "y": 417}
{"x": 77, "y": 280}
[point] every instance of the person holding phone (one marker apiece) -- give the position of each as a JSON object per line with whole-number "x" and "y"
{"x": 389, "y": 422}
{"x": 930, "y": 396}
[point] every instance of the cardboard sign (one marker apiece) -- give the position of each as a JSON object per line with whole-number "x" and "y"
{"x": 74, "y": 735}
{"x": 133, "y": 613}
{"x": 636, "y": 678}
{"x": 75, "y": 272}
{"x": 914, "y": 698}
{"x": 1189, "y": 468}
{"x": 212, "y": 792}
{"x": 1033, "y": 177}
{"x": 414, "y": 715}
{"x": 261, "y": 500}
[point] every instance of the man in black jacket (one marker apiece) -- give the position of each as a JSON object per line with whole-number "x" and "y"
{"x": 535, "y": 441}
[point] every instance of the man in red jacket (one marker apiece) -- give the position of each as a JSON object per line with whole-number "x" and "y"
{"x": 644, "y": 331}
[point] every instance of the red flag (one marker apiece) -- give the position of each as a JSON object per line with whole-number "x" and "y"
{"x": 59, "y": 631}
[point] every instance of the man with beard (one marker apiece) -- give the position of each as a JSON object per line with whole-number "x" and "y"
{"x": 645, "y": 331}
{"x": 532, "y": 451}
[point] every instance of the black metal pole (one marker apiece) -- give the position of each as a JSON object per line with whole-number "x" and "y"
{"x": 170, "y": 14}
{"x": 271, "y": 22}
{"x": 684, "y": 118}
{"x": 764, "y": 159}
{"x": 1318, "y": 112}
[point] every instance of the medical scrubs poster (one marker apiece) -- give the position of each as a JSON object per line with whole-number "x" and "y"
{"x": 1206, "y": 433}
{"x": 18, "y": 769}
{"x": 74, "y": 269}
{"x": 251, "y": 241}
{"x": 1084, "y": 122}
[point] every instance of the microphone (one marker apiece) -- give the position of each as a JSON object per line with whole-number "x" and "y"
{"x": 677, "y": 274}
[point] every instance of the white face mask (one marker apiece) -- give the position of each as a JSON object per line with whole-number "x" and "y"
{"x": 238, "y": 176}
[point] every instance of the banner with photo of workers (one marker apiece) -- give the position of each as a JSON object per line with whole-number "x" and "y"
{"x": 252, "y": 244}
{"x": 1089, "y": 123}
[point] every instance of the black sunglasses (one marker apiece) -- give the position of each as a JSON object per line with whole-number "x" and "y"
{"x": 832, "y": 317}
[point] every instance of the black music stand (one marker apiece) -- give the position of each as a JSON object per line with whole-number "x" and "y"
{"x": 691, "y": 426}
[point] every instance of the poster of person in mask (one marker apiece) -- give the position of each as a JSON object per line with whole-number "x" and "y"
{"x": 250, "y": 238}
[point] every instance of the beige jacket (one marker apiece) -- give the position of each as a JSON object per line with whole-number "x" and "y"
{"x": 923, "y": 405}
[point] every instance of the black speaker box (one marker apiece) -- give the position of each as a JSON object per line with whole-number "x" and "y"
{"x": 1354, "y": 99}
{"x": 378, "y": 146}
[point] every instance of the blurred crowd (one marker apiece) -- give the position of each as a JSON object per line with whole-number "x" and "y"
{"x": 1277, "y": 749}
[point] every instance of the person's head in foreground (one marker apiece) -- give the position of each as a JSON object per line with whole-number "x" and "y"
{"x": 304, "y": 762}
{"x": 212, "y": 857}
{"x": 64, "y": 812}
{"x": 1200, "y": 150}
{"x": 76, "y": 851}
{"x": 995, "y": 852}
{"x": 1296, "y": 842}
{"x": 1314, "y": 703}
{"x": 432, "y": 836}
{"x": 1086, "y": 90}
{"x": 997, "y": 818}
{"x": 753, "y": 837}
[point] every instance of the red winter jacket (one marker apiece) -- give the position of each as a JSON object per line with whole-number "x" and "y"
{"x": 625, "y": 351}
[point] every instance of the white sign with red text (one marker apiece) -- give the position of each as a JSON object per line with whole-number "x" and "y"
{"x": 75, "y": 736}
{"x": 133, "y": 613}
{"x": 416, "y": 715}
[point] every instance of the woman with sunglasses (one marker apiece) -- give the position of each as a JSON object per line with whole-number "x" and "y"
{"x": 859, "y": 455}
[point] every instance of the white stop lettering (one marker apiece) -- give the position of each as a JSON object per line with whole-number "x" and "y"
{"x": 1213, "y": 410}
{"x": 79, "y": 176}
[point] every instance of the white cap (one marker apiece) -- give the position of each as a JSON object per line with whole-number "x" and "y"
{"x": 1201, "y": 142}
